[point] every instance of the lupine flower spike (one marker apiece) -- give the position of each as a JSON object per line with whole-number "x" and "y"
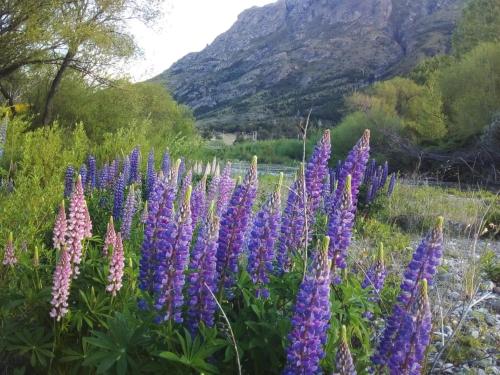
{"x": 233, "y": 227}
{"x": 226, "y": 187}
{"x": 68, "y": 181}
{"x": 425, "y": 260}
{"x": 110, "y": 239}
{"x": 262, "y": 238}
{"x": 376, "y": 274}
{"x": 292, "y": 231}
{"x": 392, "y": 184}
{"x": 118, "y": 198}
{"x": 9, "y": 256}
{"x": 77, "y": 225}
{"x": 354, "y": 165}
{"x": 172, "y": 262}
{"x": 61, "y": 285}
{"x": 414, "y": 336}
{"x": 150, "y": 174}
{"x": 310, "y": 317}
{"x": 202, "y": 271}
{"x": 116, "y": 267}
{"x": 316, "y": 173}
{"x": 144, "y": 215}
{"x": 60, "y": 228}
{"x": 345, "y": 364}
{"x": 340, "y": 225}
{"x": 160, "y": 212}
{"x": 128, "y": 213}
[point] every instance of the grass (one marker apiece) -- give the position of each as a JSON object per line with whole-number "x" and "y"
{"x": 414, "y": 209}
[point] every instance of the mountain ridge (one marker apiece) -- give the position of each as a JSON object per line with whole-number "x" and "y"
{"x": 281, "y": 59}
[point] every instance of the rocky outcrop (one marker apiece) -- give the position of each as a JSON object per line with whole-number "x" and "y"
{"x": 278, "y": 61}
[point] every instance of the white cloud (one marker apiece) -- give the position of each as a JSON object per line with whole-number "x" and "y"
{"x": 188, "y": 26}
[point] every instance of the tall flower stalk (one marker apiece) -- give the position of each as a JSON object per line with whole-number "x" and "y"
{"x": 233, "y": 227}
{"x": 160, "y": 212}
{"x": 116, "y": 267}
{"x": 316, "y": 173}
{"x": 202, "y": 273}
{"x": 60, "y": 228}
{"x": 61, "y": 285}
{"x": 9, "y": 256}
{"x": 262, "y": 239}
{"x": 119, "y": 192}
{"x": 292, "y": 230}
{"x": 423, "y": 265}
{"x": 78, "y": 225}
{"x": 128, "y": 213}
{"x": 310, "y": 317}
{"x": 150, "y": 173}
{"x": 226, "y": 187}
{"x": 68, "y": 181}
{"x": 340, "y": 223}
{"x": 344, "y": 363}
{"x": 172, "y": 261}
{"x": 110, "y": 238}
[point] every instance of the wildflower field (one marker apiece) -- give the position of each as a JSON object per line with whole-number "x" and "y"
{"x": 165, "y": 270}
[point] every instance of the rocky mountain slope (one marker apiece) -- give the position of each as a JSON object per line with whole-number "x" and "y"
{"x": 278, "y": 61}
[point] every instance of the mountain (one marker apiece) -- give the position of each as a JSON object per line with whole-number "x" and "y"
{"x": 278, "y": 61}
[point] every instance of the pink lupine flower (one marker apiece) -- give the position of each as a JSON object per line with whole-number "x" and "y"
{"x": 110, "y": 239}
{"x": 60, "y": 228}
{"x": 61, "y": 285}
{"x": 78, "y": 225}
{"x": 116, "y": 267}
{"x": 88, "y": 221}
{"x": 9, "y": 256}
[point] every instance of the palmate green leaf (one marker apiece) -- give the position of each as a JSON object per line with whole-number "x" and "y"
{"x": 36, "y": 344}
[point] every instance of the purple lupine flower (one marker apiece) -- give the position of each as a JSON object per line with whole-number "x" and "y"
{"x": 3, "y": 134}
{"x": 375, "y": 276}
{"x": 173, "y": 259}
{"x": 344, "y": 363}
{"x": 315, "y": 174}
{"x": 128, "y": 213}
{"x": 150, "y": 174}
{"x": 114, "y": 169}
{"x": 61, "y": 285}
{"x": 292, "y": 231}
{"x": 77, "y": 225}
{"x": 354, "y": 165}
{"x": 340, "y": 223}
{"x": 68, "y": 181}
{"x": 83, "y": 174}
{"x": 392, "y": 184}
{"x": 310, "y": 318}
{"x": 104, "y": 177}
{"x": 425, "y": 260}
{"x": 126, "y": 170}
{"x": 198, "y": 201}
{"x": 414, "y": 336}
{"x": 370, "y": 169}
{"x": 91, "y": 175}
{"x": 165, "y": 163}
{"x": 118, "y": 197}
{"x": 261, "y": 243}
{"x": 9, "y": 255}
{"x": 60, "y": 228}
{"x": 134, "y": 167}
{"x": 202, "y": 273}
{"x": 160, "y": 211}
{"x": 233, "y": 227}
{"x": 226, "y": 187}
{"x": 116, "y": 267}
{"x": 110, "y": 238}
{"x": 385, "y": 173}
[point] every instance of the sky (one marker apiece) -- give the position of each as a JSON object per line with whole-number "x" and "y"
{"x": 187, "y": 26}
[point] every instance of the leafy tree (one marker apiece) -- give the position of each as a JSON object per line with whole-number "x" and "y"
{"x": 471, "y": 90}
{"x": 480, "y": 22}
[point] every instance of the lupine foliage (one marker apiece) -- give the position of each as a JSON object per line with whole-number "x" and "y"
{"x": 149, "y": 299}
